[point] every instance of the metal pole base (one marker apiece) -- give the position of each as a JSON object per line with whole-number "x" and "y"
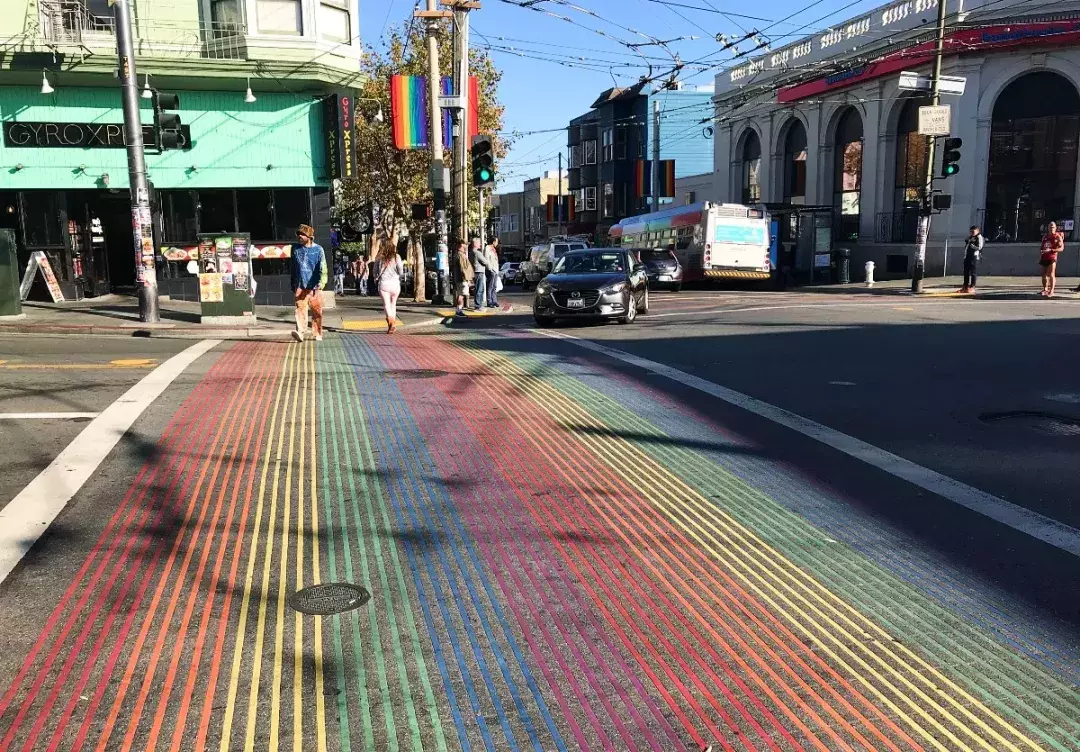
{"x": 148, "y": 305}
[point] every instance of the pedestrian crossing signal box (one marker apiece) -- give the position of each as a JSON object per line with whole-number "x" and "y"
{"x": 226, "y": 284}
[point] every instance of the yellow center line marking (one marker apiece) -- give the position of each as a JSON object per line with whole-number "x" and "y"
{"x": 643, "y": 474}
{"x": 298, "y": 622}
{"x": 116, "y": 365}
{"x": 234, "y": 678}
{"x": 320, "y": 694}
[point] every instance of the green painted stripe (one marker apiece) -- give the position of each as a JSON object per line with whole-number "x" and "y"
{"x": 326, "y": 383}
{"x": 373, "y": 495}
{"x": 1010, "y": 683}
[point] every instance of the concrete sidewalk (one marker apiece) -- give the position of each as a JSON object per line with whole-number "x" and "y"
{"x": 989, "y": 287}
{"x": 118, "y": 315}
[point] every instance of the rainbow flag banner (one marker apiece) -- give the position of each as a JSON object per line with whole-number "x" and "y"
{"x": 561, "y": 209}
{"x": 643, "y": 178}
{"x": 409, "y": 111}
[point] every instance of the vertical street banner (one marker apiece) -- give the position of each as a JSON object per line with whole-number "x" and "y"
{"x": 561, "y": 209}
{"x": 339, "y": 117}
{"x": 411, "y": 115}
{"x": 643, "y": 178}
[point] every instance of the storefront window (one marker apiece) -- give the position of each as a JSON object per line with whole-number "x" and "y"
{"x": 847, "y": 174}
{"x": 41, "y": 210}
{"x": 254, "y": 213}
{"x": 751, "y": 169}
{"x": 178, "y": 217}
{"x": 795, "y": 164}
{"x": 1032, "y": 174}
{"x": 910, "y": 178}
{"x": 292, "y": 208}
{"x": 216, "y": 211}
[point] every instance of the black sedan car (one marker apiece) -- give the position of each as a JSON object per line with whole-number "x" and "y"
{"x": 605, "y": 283}
{"x": 663, "y": 268}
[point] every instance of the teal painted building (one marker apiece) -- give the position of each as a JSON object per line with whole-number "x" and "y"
{"x": 259, "y": 164}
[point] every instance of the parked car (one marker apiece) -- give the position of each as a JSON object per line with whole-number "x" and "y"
{"x": 662, "y": 267}
{"x": 509, "y": 271}
{"x": 542, "y": 258}
{"x": 605, "y": 283}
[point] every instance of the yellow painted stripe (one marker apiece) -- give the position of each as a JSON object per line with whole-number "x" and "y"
{"x": 298, "y": 622}
{"x": 718, "y": 533}
{"x": 365, "y": 325}
{"x": 320, "y": 694}
{"x": 73, "y": 366}
{"x": 736, "y": 275}
{"x": 238, "y": 651}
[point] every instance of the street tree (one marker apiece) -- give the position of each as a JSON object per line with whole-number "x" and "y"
{"x": 393, "y": 180}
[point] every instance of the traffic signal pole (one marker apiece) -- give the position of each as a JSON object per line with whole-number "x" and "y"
{"x": 442, "y": 256}
{"x": 145, "y": 265}
{"x": 461, "y": 118}
{"x": 923, "y": 231}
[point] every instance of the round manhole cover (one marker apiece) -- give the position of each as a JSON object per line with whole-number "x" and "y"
{"x": 328, "y": 599}
{"x": 1047, "y": 424}
{"x": 415, "y": 373}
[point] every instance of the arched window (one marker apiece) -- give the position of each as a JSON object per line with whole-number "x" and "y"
{"x": 910, "y": 180}
{"x": 795, "y": 164}
{"x": 1033, "y": 151}
{"x": 847, "y": 173}
{"x": 751, "y": 169}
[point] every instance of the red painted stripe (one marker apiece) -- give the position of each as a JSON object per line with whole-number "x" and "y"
{"x": 199, "y": 540}
{"x": 226, "y": 608}
{"x": 453, "y": 362}
{"x": 89, "y": 661}
{"x": 733, "y": 593}
{"x": 271, "y": 375}
{"x": 430, "y": 416}
{"x": 183, "y": 424}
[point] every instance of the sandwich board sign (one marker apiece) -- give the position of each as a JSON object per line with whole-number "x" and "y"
{"x": 39, "y": 261}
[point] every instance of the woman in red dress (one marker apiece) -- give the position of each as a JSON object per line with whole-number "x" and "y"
{"x": 1053, "y": 242}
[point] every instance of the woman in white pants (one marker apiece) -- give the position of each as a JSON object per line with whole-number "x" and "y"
{"x": 390, "y": 272}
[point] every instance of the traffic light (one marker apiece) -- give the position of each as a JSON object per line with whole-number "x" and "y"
{"x": 950, "y": 158}
{"x": 483, "y": 161}
{"x": 167, "y": 124}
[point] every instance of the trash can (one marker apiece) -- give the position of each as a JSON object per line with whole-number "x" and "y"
{"x": 842, "y": 266}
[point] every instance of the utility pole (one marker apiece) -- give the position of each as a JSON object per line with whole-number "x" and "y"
{"x": 656, "y": 155}
{"x": 559, "y": 201}
{"x": 442, "y": 257}
{"x": 923, "y": 230}
{"x": 145, "y": 266}
{"x": 481, "y": 224}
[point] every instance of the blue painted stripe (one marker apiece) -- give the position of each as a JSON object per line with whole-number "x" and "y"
{"x": 405, "y": 441}
{"x": 421, "y": 595}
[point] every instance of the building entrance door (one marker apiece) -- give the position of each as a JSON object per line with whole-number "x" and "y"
{"x": 109, "y": 216}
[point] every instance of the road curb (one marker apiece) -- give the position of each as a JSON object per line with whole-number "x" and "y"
{"x": 78, "y": 330}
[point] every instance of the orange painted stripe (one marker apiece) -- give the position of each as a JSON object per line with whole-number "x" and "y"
{"x": 136, "y": 651}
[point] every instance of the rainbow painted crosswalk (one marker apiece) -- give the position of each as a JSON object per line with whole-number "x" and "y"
{"x": 560, "y": 557}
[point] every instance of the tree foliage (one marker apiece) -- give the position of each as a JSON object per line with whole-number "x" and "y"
{"x": 394, "y": 180}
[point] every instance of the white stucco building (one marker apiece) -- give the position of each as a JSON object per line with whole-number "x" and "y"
{"x": 822, "y": 122}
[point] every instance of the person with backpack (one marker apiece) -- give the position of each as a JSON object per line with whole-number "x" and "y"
{"x": 972, "y": 252}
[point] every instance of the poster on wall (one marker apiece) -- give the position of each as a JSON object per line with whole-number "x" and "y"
{"x": 210, "y": 288}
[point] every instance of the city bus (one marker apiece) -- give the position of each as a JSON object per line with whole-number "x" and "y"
{"x": 711, "y": 241}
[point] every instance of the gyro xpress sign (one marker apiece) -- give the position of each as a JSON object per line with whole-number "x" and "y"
{"x": 79, "y": 135}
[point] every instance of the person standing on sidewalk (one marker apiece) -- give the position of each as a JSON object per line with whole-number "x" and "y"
{"x": 308, "y": 279}
{"x": 359, "y": 270}
{"x": 480, "y": 268}
{"x": 391, "y": 271}
{"x": 972, "y": 251}
{"x": 491, "y": 253}
{"x": 1053, "y": 243}
{"x": 462, "y": 274}
{"x": 339, "y": 274}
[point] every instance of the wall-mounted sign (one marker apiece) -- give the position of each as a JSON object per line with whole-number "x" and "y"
{"x": 79, "y": 135}
{"x": 340, "y": 120}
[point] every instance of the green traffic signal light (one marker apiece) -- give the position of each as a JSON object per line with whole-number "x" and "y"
{"x": 483, "y": 161}
{"x": 950, "y": 158}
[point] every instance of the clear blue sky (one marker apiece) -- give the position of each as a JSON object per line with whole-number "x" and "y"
{"x": 561, "y": 73}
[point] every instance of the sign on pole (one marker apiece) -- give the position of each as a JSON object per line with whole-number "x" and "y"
{"x": 934, "y": 120}
{"x": 913, "y": 81}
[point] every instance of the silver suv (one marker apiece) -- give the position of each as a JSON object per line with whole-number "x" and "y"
{"x": 542, "y": 258}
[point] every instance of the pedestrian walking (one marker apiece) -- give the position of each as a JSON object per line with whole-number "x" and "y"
{"x": 462, "y": 275}
{"x": 308, "y": 279}
{"x": 480, "y": 267}
{"x": 1053, "y": 243}
{"x": 972, "y": 252}
{"x": 340, "y": 268}
{"x": 494, "y": 280}
{"x": 391, "y": 270}
{"x": 359, "y": 270}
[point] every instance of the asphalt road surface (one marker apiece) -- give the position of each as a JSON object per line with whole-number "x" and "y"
{"x": 752, "y": 521}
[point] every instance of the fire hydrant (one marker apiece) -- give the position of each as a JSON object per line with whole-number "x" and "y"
{"x": 869, "y": 273}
